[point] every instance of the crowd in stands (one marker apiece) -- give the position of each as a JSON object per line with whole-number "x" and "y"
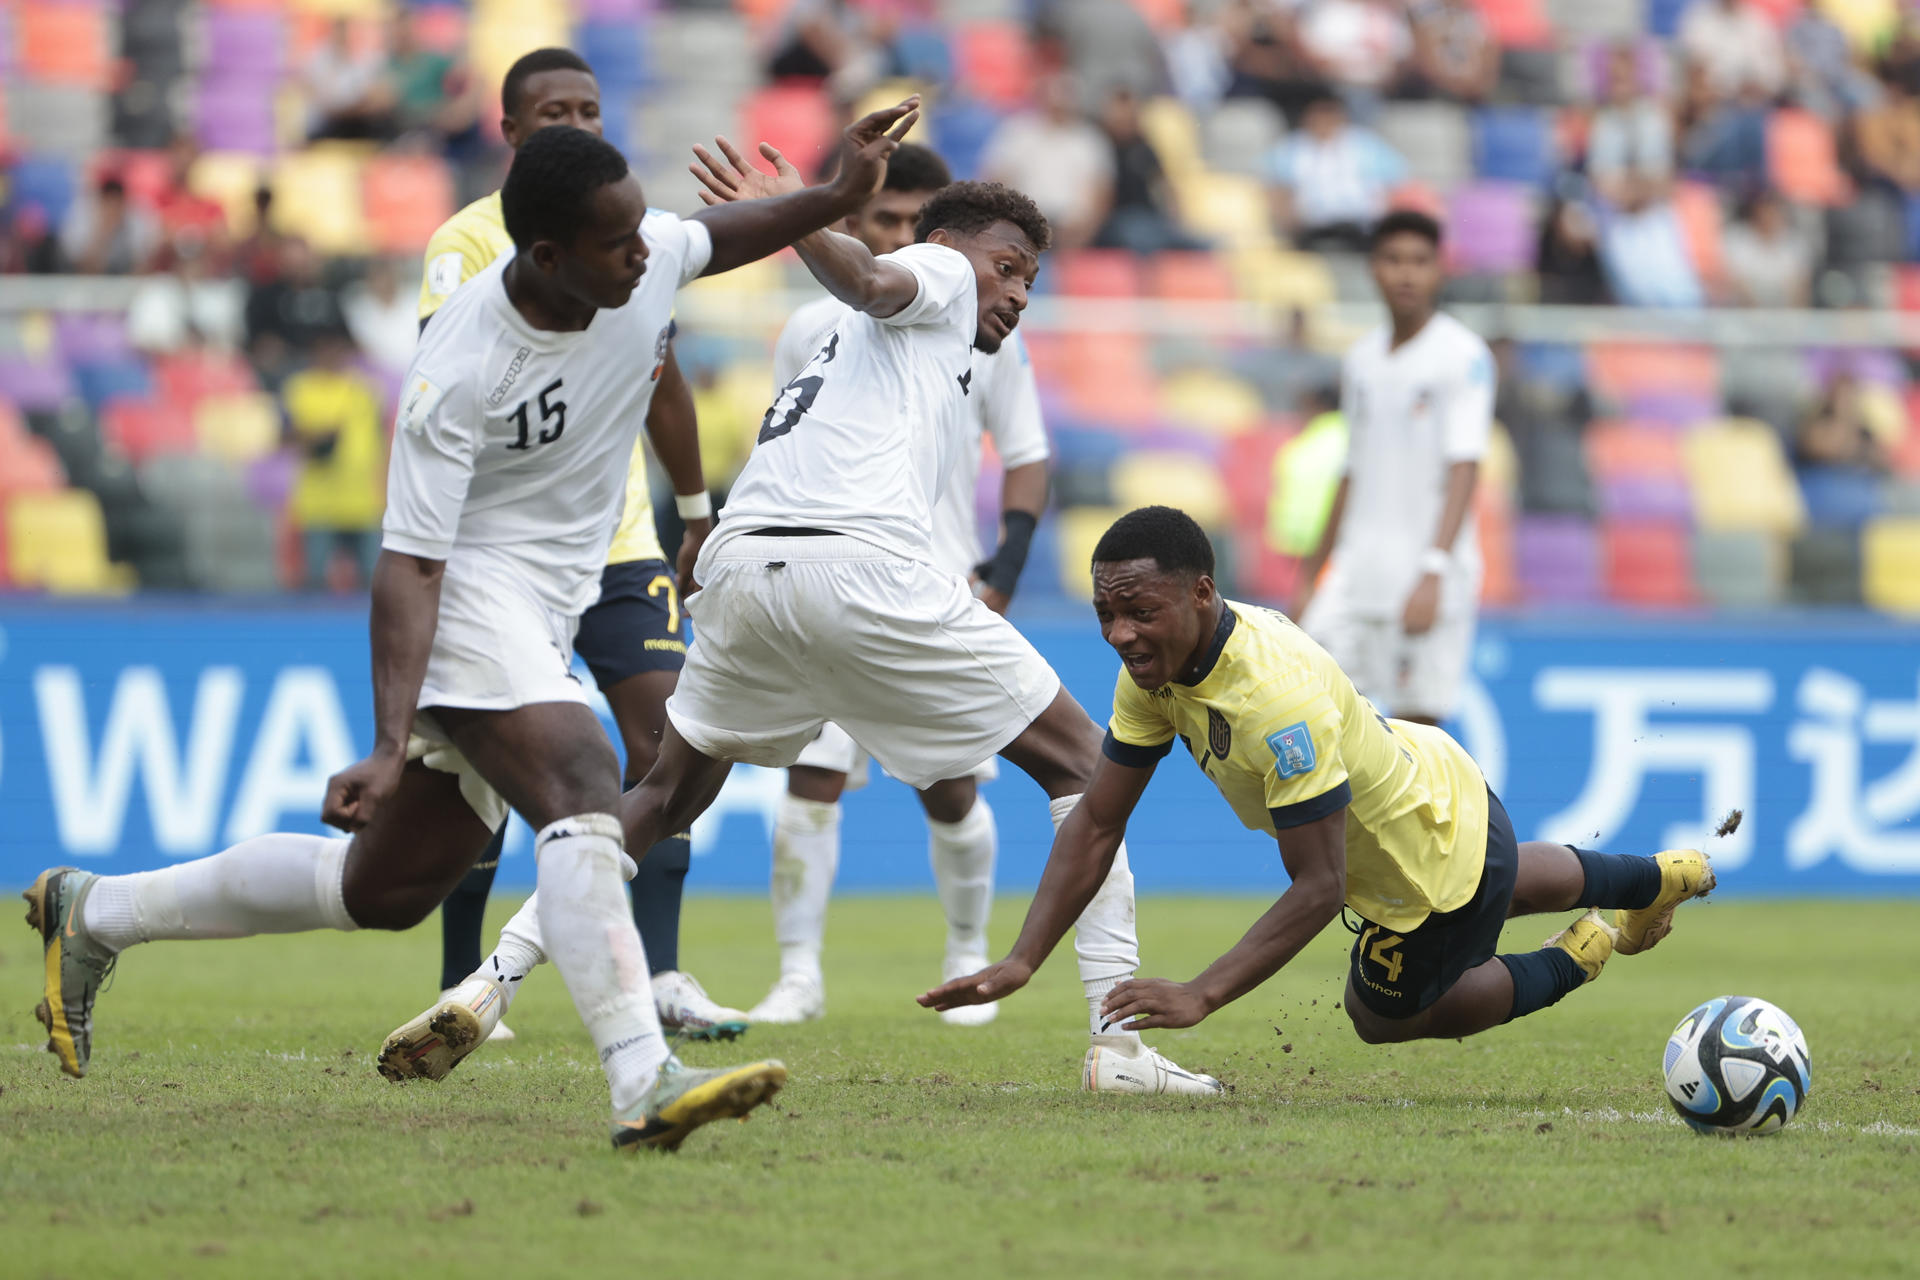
{"x": 270, "y": 169}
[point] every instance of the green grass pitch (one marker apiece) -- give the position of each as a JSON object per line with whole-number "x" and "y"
{"x": 233, "y": 1123}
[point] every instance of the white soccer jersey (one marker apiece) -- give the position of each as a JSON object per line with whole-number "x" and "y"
{"x": 1410, "y": 414}
{"x": 863, "y": 439}
{"x": 514, "y": 441}
{"x": 1004, "y": 400}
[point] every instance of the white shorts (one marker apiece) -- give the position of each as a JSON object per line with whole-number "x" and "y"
{"x": 836, "y": 751}
{"x": 496, "y": 646}
{"x": 791, "y": 633}
{"x": 1404, "y": 675}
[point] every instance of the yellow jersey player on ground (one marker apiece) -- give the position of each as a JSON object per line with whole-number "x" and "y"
{"x": 632, "y": 639}
{"x": 1390, "y": 819}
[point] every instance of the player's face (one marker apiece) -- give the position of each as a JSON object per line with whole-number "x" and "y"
{"x": 1406, "y": 268}
{"x": 889, "y": 220}
{"x": 1155, "y": 620}
{"x": 607, "y": 258}
{"x": 1005, "y": 264}
{"x": 554, "y": 97}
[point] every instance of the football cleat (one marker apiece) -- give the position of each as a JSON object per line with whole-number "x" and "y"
{"x": 75, "y": 964}
{"x": 1684, "y": 874}
{"x": 431, "y": 1046}
{"x": 794, "y": 998}
{"x": 967, "y": 1015}
{"x": 1124, "y": 1064}
{"x": 684, "y": 1098}
{"x": 1590, "y": 940}
{"x": 686, "y": 1009}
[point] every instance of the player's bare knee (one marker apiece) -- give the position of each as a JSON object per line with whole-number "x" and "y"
{"x": 949, "y": 801}
{"x": 393, "y": 908}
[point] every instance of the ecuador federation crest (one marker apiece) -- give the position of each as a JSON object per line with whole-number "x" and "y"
{"x": 1219, "y": 734}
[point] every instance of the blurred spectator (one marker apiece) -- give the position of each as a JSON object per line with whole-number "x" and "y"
{"x": 1645, "y": 256}
{"x": 289, "y": 315}
{"x": 188, "y": 305}
{"x": 1738, "y": 47}
{"x": 1722, "y": 137}
{"x": 27, "y": 241}
{"x": 1059, "y": 159}
{"x": 257, "y": 257}
{"x": 1454, "y": 53}
{"x": 1768, "y": 262}
{"x": 348, "y": 93}
{"x": 1899, "y": 61}
{"x": 107, "y": 234}
{"x": 433, "y": 95}
{"x": 1197, "y": 52}
{"x": 191, "y": 223}
{"x": 1836, "y": 433}
{"x": 1543, "y": 419}
{"x": 1306, "y": 475}
{"x": 1630, "y": 142}
{"x": 1144, "y": 215}
{"x": 1331, "y": 179}
{"x": 1264, "y": 58}
{"x": 1886, "y": 140}
{"x": 1825, "y": 76}
{"x": 1569, "y": 258}
{"x": 1357, "y": 44}
{"x": 383, "y": 317}
{"x": 835, "y": 41}
{"x": 1106, "y": 44}
{"x": 333, "y": 420}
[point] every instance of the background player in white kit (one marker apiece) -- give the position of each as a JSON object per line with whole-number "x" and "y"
{"x": 508, "y": 471}
{"x": 1397, "y": 610}
{"x": 1004, "y": 402}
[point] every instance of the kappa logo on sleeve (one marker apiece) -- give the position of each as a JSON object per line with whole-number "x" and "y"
{"x": 1292, "y": 751}
{"x": 422, "y": 397}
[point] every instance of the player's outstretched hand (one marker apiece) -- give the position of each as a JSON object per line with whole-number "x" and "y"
{"x": 866, "y": 146}
{"x": 995, "y": 982}
{"x": 356, "y": 793}
{"x": 1140, "y": 1004}
{"x": 734, "y": 177}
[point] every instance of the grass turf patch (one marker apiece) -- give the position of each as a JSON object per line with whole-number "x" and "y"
{"x": 233, "y": 1123}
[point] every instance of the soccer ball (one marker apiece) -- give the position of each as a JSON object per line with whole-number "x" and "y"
{"x": 1737, "y": 1064}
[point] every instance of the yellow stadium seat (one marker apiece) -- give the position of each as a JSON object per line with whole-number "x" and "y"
{"x": 237, "y": 427}
{"x": 1171, "y": 478}
{"x": 379, "y": 10}
{"x": 1884, "y": 414}
{"x": 1229, "y": 208}
{"x": 317, "y": 196}
{"x": 1890, "y": 564}
{"x": 888, "y": 92}
{"x": 1282, "y": 278}
{"x": 58, "y": 542}
{"x": 1175, "y": 135}
{"x": 228, "y": 178}
{"x": 1740, "y": 479}
{"x": 1080, "y": 531}
{"x": 1500, "y": 470}
{"x": 1866, "y": 22}
{"x": 1209, "y": 399}
{"x": 499, "y": 34}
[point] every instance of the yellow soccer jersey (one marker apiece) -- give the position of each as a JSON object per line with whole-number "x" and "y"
{"x": 460, "y": 249}
{"x": 1280, "y": 730}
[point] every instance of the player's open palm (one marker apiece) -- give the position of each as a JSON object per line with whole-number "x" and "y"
{"x": 994, "y": 982}
{"x": 869, "y": 142}
{"x": 356, "y": 793}
{"x": 733, "y": 177}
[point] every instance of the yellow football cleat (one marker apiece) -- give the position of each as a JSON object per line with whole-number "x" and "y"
{"x": 1590, "y": 940}
{"x": 1684, "y": 873}
{"x": 684, "y": 1098}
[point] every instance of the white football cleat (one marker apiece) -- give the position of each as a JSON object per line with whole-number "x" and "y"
{"x": 432, "y": 1044}
{"x": 794, "y": 998}
{"x": 501, "y": 1033}
{"x": 1126, "y": 1064}
{"x": 686, "y": 1007}
{"x": 967, "y": 1015}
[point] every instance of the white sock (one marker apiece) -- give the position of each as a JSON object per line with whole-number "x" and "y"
{"x": 582, "y": 911}
{"x": 516, "y": 954}
{"x": 806, "y": 854}
{"x": 963, "y": 854}
{"x": 269, "y": 884}
{"x": 1104, "y": 937}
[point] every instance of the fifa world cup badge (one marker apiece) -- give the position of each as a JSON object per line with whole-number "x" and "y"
{"x": 1292, "y": 751}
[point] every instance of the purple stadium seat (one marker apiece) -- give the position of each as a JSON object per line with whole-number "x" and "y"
{"x": 1873, "y": 365}
{"x": 269, "y": 479}
{"x": 244, "y": 44}
{"x": 1490, "y": 227}
{"x": 235, "y": 115}
{"x": 1672, "y": 407}
{"x": 90, "y": 337}
{"x": 1663, "y": 498}
{"x": 614, "y": 11}
{"x": 34, "y": 385}
{"x": 1650, "y": 58}
{"x": 1559, "y": 559}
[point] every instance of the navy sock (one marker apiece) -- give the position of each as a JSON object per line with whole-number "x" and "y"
{"x": 1618, "y": 879}
{"x": 656, "y": 900}
{"x": 1540, "y": 978}
{"x": 464, "y": 913}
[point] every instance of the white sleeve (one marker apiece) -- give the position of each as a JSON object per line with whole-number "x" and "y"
{"x": 436, "y": 436}
{"x": 1470, "y": 405}
{"x": 1351, "y": 413}
{"x": 949, "y": 294}
{"x": 1012, "y": 407}
{"x": 682, "y": 242}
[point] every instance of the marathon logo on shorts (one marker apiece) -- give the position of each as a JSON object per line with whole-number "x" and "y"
{"x": 1219, "y": 734}
{"x": 508, "y": 378}
{"x": 1292, "y": 751}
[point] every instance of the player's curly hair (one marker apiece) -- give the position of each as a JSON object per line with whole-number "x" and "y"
{"x": 972, "y": 207}
{"x": 912, "y": 167}
{"x": 529, "y": 65}
{"x": 554, "y": 175}
{"x": 1167, "y": 536}
{"x": 1405, "y": 222}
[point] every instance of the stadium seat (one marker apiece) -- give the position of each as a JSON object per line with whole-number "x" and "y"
{"x": 34, "y": 384}
{"x": 62, "y": 119}
{"x": 1582, "y": 19}
{"x": 231, "y": 548}
{"x": 1283, "y": 278}
{"x": 1435, "y": 139}
{"x": 1185, "y": 480}
{"x": 1697, "y": 205}
{"x": 1738, "y": 568}
{"x": 1198, "y": 277}
{"x": 993, "y": 62}
{"x": 1211, "y": 401}
{"x": 407, "y": 197}
{"x": 235, "y": 115}
{"x": 1559, "y": 559}
{"x": 1517, "y": 24}
{"x": 924, "y": 54}
{"x": 1825, "y": 567}
{"x": 1868, "y": 23}
{"x": 237, "y": 427}
{"x": 317, "y": 196}
{"x": 960, "y": 129}
{"x": 29, "y": 464}
{"x": 615, "y": 51}
{"x": 1097, "y": 273}
{"x": 1228, "y": 208}
{"x": 1080, "y": 529}
{"x": 1239, "y": 135}
{"x": 58, "y": 542}
{"x": 1802, "y": 159}
{"x": 1490, "y": 228}
{"x": 1173, "y": 133}
{"x": 1741, "y": 481}
{"x": 70, "y": 44}
{"x": 1514, "y": 144}
{"x": 1648, "y": 563}
{"x": 243, "y": 44}
{"x": 187, "y": 377}
{"x": 103, "y": 381}
{"x": 1890, "y": 564}
{"x": 1839, "y": 497}
{"x": 1624, "y": 374}
{"x": 142, "y": 428}
{"x": 45, "y": 182}
{"x": 797, "y": 118}
{"x": 228, "y": 178}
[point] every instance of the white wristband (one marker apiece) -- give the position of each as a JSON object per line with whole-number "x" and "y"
{"x": 1434, "y": 560}
{"x": 694, "y": 506}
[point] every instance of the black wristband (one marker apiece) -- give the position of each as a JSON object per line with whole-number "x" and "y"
{"x": 1002, "y": 573}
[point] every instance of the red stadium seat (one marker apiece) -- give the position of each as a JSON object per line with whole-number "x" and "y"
{"x": 1197, "y": 277}
{"x": 1109, "y": 379}
{"x": 29, "y": 465}
{"x": 1098, "y": 273}
{"x": 1247, "y": 469}
{"x": 188, "y": 377}
{"x": 1906, "y": 288}
{"x": 794, "y": 116}
{"x": 1698, "y": 208}
{"x": 1623, "y": 370}
{"x": 994, "y": 62}
{"x": 1517, "y": 24}
{"x": 1628, "y": 449}
{"x": 407, "y": 198}
{"x": 65, "y": 43}
{"x": 147, "y": 174}
{"x": 1648, "y": 564}
{"x": 143, "y": 428}
{"x": 1802, "y": 159}
{"x": 1500, "y": 580}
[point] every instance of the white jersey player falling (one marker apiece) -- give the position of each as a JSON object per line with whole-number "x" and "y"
{"x": 1003, "y": 402}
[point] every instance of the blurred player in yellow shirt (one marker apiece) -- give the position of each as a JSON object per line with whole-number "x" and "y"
{"x": 1390, "y": 819}
{"x": 633, "y": 640}
{"x": 333, "y": 420}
